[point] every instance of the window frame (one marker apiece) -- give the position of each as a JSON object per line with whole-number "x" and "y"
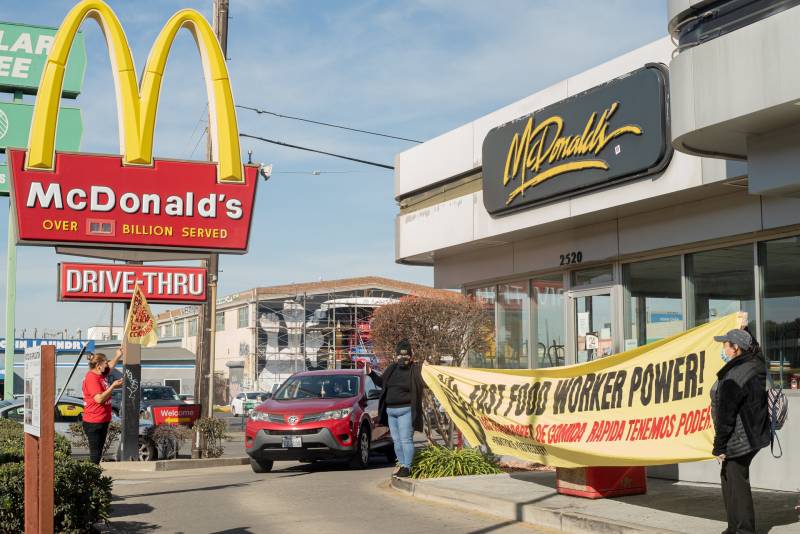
{"x": 243, "y": 312}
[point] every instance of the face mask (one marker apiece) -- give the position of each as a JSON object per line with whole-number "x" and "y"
{"x": 404, "y": 360}
{"x": 725, "y": 358}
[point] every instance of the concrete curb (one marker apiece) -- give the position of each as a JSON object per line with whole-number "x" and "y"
{"x": 558, "y": 519}
{"x": 173, "y": 465}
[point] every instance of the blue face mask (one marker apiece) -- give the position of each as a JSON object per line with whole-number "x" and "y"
{"x": 725, "y": 357}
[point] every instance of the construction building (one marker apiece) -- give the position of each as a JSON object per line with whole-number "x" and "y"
{"x": 265, "y": 334}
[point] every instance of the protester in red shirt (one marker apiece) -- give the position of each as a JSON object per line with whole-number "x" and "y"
{"x": 97, "y": 402}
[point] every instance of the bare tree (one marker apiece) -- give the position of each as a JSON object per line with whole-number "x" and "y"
{"x": 441, "y": 331}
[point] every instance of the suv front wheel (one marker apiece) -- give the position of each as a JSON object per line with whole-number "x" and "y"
{"x": 261, "y": 466}
{"x": 360, "y": 459}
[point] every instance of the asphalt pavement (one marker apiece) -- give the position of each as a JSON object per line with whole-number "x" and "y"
{"x": 322, "y": 497}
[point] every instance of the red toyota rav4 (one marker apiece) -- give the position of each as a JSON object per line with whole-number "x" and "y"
{"x": 318, "y": 415}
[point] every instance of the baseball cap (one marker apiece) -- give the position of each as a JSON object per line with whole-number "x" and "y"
{"x": 737, "y": 337}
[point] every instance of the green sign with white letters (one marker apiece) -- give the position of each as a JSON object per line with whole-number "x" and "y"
{"x": 3, "y": 180}
{"x": 15, "y": 124}
{"x": 23, "y": 52}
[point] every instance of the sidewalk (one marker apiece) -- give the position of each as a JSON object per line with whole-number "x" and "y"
{"x": 668, "y": 506}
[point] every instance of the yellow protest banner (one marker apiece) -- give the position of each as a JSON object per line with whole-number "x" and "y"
{"x": 647, "y": 406}
{"x": 140, "y": 325}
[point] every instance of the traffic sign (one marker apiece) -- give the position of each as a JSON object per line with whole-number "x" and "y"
{"x": 23, "y": 52}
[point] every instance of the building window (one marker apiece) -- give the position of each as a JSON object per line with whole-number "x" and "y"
{"x": 487, "y": 297}
{"x": 723, "y": 283}
{"x": 548, "y": 316}
{"x": 513, "y": 325}
{"x": 178, "y": 328}
{"x": 653, "y": 305}
{"x": 593, "y": 276}
{"x": 241, "y": 317}
{"x": 192, "y": 327}
{"x": 781, "y": 308}
{"x": 220, "y": 321}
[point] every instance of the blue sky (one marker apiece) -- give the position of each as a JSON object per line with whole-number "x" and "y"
{"x": 413, "y": 68}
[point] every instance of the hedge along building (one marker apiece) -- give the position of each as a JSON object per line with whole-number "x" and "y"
{"x": 570, "y": 216}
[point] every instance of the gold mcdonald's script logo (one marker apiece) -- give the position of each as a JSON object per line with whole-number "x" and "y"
{"x": 137, "y": 103}
{"x": 530, "y": 151}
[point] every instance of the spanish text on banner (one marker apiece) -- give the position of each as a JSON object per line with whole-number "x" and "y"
{"x": 646, "y": 406}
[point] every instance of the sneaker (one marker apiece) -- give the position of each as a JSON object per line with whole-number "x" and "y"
{"x": 403, "y": 472}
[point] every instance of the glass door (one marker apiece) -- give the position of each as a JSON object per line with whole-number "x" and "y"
{"x": 593, "y": 313}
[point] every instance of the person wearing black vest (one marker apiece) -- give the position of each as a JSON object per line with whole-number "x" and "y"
{"x": 401, "y": 403}
{"x": 741, "y": 424}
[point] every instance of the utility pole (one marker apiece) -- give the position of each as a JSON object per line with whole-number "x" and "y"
{"x": 111, "y": 324}
{"x": 206, "y": 338}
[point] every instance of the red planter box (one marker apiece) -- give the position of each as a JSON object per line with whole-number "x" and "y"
{"x": 601, "y": 482}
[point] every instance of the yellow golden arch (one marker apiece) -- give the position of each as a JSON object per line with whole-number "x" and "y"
{"x": 137, "y": 105}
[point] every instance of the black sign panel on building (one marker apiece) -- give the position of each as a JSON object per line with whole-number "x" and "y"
{"x": 613, "y": 132}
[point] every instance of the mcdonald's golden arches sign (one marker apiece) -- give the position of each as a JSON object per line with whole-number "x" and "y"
{"x": 134, "y": 200}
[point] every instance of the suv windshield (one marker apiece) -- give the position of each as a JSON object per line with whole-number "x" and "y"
{"x": 159, "y": 393}
{"x": 254, "y": 396}
{"x": 318, "y": 387}
{"x": 150, "y": 393}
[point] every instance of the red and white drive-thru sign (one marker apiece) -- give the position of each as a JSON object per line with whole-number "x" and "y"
{"x": 105, "y": 282}
{"x": 95, "y": 201}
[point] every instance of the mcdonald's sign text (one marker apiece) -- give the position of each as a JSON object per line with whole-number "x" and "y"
{"x": 105, "y": 282}
{"x": 96, "y": 200}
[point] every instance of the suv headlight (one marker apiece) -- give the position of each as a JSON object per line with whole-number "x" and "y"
{"x": 255, "y": 415}
{"x": 336, "y": 414}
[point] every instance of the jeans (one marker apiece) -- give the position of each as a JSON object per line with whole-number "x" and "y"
{"x": 96, "y": 436}
{"x": 735, "y": 476}
{"x": 401, "y": 427}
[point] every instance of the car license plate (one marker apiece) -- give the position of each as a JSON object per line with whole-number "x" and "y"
{"x": 292, "y": 441}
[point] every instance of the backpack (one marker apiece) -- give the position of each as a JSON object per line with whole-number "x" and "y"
{"x": 778, "y": 409}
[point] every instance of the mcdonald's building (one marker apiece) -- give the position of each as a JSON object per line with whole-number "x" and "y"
{"x": 133, "y": 201}
{"x": 644, "y": 196}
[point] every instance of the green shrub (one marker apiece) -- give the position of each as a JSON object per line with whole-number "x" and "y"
{"x": 82, "y": 493}
{"x": 82, "y": 496}
{"x": 12, "y": 497}
{"x": 78, "y": 436}
{"x": 12, "y": 442}
{"x": 434, "y": 462}
{"x": 214, "y": 432}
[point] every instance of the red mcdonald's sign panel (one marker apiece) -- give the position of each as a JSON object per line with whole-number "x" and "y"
{"x": 105, "y": 282}
{"x": 95, "y": 200}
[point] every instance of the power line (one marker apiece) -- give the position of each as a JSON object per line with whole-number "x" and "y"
{"x": 316, "y": 173}
{"x": 202, "y": 134}
{"x": 280, "y": 115}
{"x": 281, "y": 143}
{"x": 203, "y": 115}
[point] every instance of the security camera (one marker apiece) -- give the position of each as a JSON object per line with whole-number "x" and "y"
{"x": 265, "y": 171}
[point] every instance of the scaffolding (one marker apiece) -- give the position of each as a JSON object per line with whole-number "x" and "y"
{"x": 312, "y": 332}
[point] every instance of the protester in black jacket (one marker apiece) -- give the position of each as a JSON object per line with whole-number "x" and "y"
{"x": 741, "y": 424}
{"x": 401, "y": 403}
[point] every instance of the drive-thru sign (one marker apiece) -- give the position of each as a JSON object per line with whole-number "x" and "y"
{"x": 105, "y": 282}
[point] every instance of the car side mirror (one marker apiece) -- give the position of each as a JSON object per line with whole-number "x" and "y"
{"x": 374, "y": 394}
